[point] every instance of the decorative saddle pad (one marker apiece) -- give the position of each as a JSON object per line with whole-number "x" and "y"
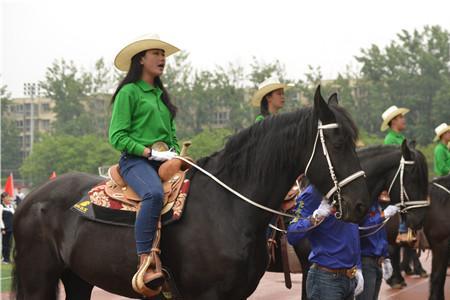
{"x": 106, "y": 204}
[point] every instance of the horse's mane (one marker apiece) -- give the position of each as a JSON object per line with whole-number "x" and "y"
{"x": 419, "y": 167}
{"x": 270, "y": 147}
{"x": 444, "y": 181}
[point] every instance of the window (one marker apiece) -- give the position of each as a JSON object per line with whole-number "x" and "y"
{"x": 19, "y": 124}
{"x": 45, "y": 107}
{"x": 221, "y": 117}
{"x": 45, "y": 124}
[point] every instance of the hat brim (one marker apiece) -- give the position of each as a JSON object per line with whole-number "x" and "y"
{"x": 123, "y": 58}
{"x": 257, "y": 98}
{"x": 400, "y": 111}
{"x": 438, "y": 136}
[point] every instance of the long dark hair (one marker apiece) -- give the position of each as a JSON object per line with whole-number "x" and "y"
{"x": 264, "y": 107}
{"x": 135, "y": 73}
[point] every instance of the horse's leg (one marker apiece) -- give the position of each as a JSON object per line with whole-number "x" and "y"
{"x": 438, "y": 268}
{"x": 75, "y": 287}
{"x": 37, "y": 275}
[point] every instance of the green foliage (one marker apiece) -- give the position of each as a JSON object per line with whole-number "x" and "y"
{"x": 10, "y": 145}
{"x": 208, "y": 142}
{"x": 65, "y": 153}
{"x": 412, "y": 71}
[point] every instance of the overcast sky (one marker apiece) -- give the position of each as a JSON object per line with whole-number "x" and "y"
{"x": 298, "y": 33}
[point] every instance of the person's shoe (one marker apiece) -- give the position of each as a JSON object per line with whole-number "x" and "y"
{"x": 421, "y": 273}
{"x": 407, "y": 269}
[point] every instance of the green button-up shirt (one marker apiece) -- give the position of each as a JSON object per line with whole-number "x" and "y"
{"x": 393, "y": 138}
{"x": 140, "y": 118}
{"x": 259, "y": 118}
{"x": 441, "y": 160}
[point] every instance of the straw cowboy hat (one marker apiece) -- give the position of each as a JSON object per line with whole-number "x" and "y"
{"x": 390, "y": 114}
{"x": 267, "y": 86}
{"x": 440, "y": 130}
{"x": 148, "y": 41}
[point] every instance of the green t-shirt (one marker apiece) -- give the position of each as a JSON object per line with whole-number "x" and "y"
{"x": 441, "y": 160}
{"x": 393, "y": 138}
{"x": 140, "y": 118}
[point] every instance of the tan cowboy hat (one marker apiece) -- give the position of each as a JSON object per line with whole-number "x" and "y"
{"x": 267, "y": 86}
{"x": 148, "y": 41}
{"x": 440, "y": 130}
{"x": 390, "y": 114}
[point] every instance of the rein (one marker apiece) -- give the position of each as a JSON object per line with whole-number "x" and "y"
{"x": 337, "y": 185}
{"x": 441, "y": 187}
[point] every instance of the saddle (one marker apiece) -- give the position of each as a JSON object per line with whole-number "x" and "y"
{"x": 119, "y": 190}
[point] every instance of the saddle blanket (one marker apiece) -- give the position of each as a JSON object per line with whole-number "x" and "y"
{"x": 98, "y": 206}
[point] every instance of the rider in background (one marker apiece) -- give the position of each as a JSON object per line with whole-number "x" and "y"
{"x": 143, "y": 115}
{"x": 441, "y": 151}
{"x": 374, "y": 250}
{"x": 269, "y": 97}
{"x": 335, "y": 273}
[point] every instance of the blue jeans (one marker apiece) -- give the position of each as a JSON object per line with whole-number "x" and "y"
{"x": 373, "y": 276}
{"x": 323, "y": 285}
{"x": 142, "y": 175}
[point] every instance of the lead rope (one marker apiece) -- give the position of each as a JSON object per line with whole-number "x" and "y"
{"x": 441, "y": 187}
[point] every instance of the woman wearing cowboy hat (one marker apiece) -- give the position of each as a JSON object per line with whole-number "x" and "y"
{"x": 269, "y": 97}
{"x": 394, "y": 121}
{"x": 441, "y": 151}
{"x": 142, "y": 116}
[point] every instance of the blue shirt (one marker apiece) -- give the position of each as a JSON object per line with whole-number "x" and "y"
{"x": 376, "y": 244}
{"x": 335, "y": 244}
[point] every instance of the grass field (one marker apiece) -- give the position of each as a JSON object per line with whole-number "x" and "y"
{"x": 5, "y": 277}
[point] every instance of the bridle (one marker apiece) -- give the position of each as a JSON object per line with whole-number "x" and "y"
{"x": 337, "y": 185}
{"x": 335, "y": 191}
{"x": 441, "y": 187}
{"x": 406, "y": 205}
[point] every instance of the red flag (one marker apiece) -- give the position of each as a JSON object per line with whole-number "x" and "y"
{"x": 53, "y": 176}
{"x": 9, "y": 185}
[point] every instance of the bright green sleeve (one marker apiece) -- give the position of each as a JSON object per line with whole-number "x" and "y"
{"x": 120, "y": 126}
{"x": 259, "y": 118}
{"x": 174, "y": 136}
{"x": 441, "y": 161}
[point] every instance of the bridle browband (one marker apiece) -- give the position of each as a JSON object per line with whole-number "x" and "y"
{"x": 336, "y": 189}
{"x": 337, "y": 185}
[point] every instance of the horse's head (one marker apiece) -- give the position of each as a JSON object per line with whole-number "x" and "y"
{"x": 409, "y": 187}
{"x": 334, "y": 166}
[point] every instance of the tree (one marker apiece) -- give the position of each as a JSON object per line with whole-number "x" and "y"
{"x": 208, "y": 142}
{"x": 10, "y": 145}
{"x": 412, "y": 71}
{"x": 65, "y": 153}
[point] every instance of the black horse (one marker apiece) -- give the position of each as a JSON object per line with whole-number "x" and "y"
{"x": 218, "y": 249}
{"x": 437, "y": 231}
{"x": 380, "y": 164}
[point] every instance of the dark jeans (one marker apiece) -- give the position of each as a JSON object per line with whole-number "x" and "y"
{"x": 142, "y": 175}
{"x": 373, "y": 276}
{"x": 323, "y": 285}
{"x": 6, "y": 246}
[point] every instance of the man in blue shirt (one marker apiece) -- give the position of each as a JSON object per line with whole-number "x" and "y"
{"x": 335, "y": 273}
{"x": 374, "y": 250}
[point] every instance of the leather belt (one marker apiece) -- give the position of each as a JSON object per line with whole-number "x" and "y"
{"x": 350, "y": 273}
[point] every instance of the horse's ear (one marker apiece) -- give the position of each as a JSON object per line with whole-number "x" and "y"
{"x": 321, "y": 109}
{"x": 406, "y": 152}
{"x": 413, "y": 144}
{"x": 333, "y": 100}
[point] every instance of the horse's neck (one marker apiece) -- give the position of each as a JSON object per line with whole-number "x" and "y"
{"x": 379, "y": 167}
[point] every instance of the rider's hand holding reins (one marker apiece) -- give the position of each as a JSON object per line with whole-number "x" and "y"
{"x": 162, "y": 155}
{"x": 323, "y": 211}
{"x": 390, "y": 211}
